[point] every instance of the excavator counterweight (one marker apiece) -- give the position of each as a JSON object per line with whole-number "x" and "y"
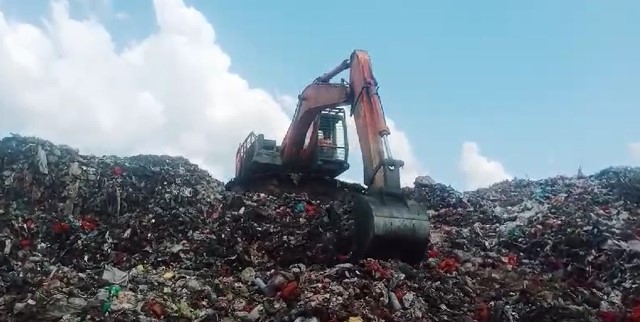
{"x": 315, "y": 151}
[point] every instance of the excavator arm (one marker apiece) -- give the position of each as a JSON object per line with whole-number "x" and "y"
{"x": 381, "y": 171}
{"x": 385, "y": 225}
{"x": 361, "y": 93}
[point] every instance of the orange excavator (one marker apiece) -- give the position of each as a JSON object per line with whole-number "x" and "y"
{"x": 315, "y": 151}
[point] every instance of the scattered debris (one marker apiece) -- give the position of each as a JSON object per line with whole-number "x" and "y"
{"x": 144, "y": 238}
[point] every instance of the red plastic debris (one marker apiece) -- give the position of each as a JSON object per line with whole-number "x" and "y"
{"x": 433, "y": 253}
{"x": 310, "y": 209}
{"x": 61, "y": 228}
{"x": 156, "y": 309}
{"x": 29, "y": 223}
{"x": 247, "y": 307}
{"x": 88, "y": 224}
{"x": 608, "y": 316}
{"x": 119, "y": 258}
{"x": 512, "y": 260}
{"x": 448, "y": 265}
{"x": 635, "y": 314}
{"x": 25, "y": 243}
{"x": 117, "y": 171}
{"x": 376, "y": 269}
{"x": 399, "y": 293}
{"x": 342, "y": 258}
{"x": 289, "y": 291}
{"x": 481, "y": 313}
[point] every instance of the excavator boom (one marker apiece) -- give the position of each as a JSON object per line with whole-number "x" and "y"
{"x": 385, "y": 224}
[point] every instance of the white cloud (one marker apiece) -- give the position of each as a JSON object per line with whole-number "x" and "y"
{"x": 288, "y": 103}
{"x": 634, "y": 151}
{"x": 99, "y": 8}
{"x": 478, "y": 170}
{"x": 121, "y": 15}
{"x": 171, "y": 92}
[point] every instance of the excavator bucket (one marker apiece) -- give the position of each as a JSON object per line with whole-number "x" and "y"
{"x": 389, "y": 227}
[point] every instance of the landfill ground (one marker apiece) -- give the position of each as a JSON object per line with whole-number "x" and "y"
{"x": 155, "y": 238}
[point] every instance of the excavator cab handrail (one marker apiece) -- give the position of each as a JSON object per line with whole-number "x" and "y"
{"x": 242, "y": 149}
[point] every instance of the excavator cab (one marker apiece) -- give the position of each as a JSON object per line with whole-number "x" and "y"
{"x": 332, "y": 149}
{"x": 258, "y": 156}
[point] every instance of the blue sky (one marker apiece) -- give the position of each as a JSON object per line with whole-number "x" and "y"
{"x": 541, "y": 86}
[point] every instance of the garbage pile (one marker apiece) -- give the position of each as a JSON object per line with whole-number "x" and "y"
{"x": 149, "y": 238}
